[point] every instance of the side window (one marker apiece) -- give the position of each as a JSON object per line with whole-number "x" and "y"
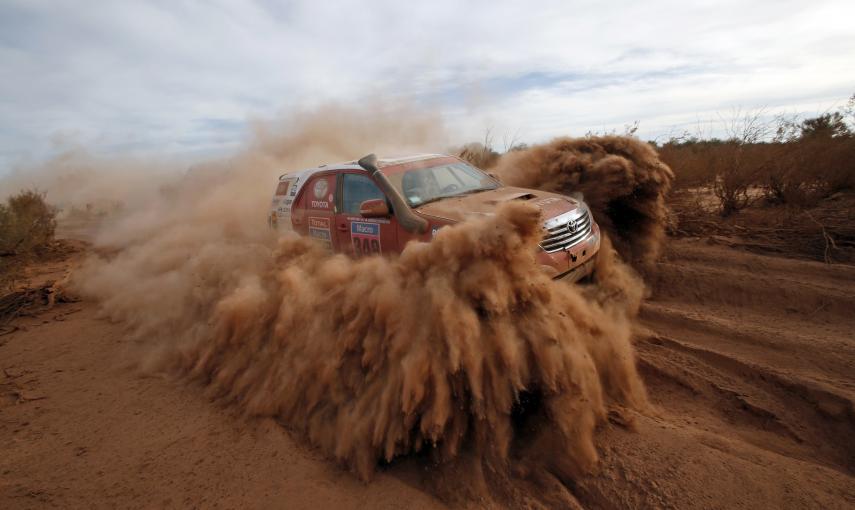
{"x": 319, "y": 193}
{"x": 356, "y": 189}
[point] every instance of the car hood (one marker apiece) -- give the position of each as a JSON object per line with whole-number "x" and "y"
{"x": 485, "y": 203}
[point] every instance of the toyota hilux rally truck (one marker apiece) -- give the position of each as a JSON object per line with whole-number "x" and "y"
{"x": 375, "y": 206}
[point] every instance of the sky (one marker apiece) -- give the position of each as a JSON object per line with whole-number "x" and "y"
{"x": 189, "y": 78}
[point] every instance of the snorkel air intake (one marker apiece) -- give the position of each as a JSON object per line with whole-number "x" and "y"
{"x": 410, "y": 221}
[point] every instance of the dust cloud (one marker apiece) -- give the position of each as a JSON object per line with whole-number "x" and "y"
{"x": 622, "y": 179}
{"x": 76, "y": 178}
{"x": 458, "y": 348}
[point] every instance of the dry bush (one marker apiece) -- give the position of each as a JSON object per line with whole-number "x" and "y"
{"x": 478, "y": 154}
{"x": 482, "y": 154}
{"x": 807, "y": 170}
{"x": 691, "y": 160}
{"x": 788, "y": 180}
{"x": 738, "y": 168}
{"x": 803, "y": 163}
{"x": 805, "y": 175}
{"x": 814, "y": 159}
{"x": 834, "y": 163}
{"x": 740, "y": 161}
{"x": 27, "y": 223}
{"x": 730, "y": 169}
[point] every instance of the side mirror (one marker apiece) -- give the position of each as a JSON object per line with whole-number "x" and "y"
{"x": 374, "y": 208}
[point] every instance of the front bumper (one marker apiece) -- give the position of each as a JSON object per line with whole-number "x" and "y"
{"x": 574, "y": 262}
{"x": 578, "y": 272}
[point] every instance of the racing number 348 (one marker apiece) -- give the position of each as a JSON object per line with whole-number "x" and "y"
{"x": 365, "y": 238}
{"x": 364, "y": 246}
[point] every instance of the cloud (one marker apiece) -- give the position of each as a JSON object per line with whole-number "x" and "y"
{"x": 188, "y": 77}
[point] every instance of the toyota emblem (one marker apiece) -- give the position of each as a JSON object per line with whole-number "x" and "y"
{"x": 571, "y": 226}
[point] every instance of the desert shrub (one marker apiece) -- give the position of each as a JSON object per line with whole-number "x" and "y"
{"x": 831, "y": 160}
{"x": 691, "y": 159}
{"x": 804, "y": 162}
{"x": 787, "y": 180}
{"x": 731, "y": 169}
{"x": 814, "y": 159}
{"x": 27, "y": 223}
{"x": 482, "y": 154}
{"x": 839, "y": 172}
{"x": 737, "y": 169}
{"x": 478, "y": 154}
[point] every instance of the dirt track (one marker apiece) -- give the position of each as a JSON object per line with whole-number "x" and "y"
{"x": 748, "y": 360}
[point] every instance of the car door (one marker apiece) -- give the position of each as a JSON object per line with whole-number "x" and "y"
{"x": 357, "y": 235}
{"x": 315, "y": 211}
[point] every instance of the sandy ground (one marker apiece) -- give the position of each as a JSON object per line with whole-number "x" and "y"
{"x": 748, "y": 360}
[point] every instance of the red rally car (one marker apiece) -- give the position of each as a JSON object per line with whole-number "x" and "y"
{"x": 375, "y": 206}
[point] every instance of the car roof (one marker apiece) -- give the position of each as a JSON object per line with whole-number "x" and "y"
{"x": 353, "y": 165}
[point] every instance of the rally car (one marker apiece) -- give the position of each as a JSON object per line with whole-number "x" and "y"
{"x": 376, "y": 206}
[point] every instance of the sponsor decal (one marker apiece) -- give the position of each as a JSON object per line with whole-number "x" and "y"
{"x": 547, "y": 201}
{"x": 321, "y": 188}
{"x": 319, "y": 230}
{"x": 365, "y": 238}
{"x": 294, "y": 187}
{"x": 368, "y": 220}
{"x": 282, "y": 188}
{"x": 285, "y": 208}
{"x": 319, "y": 222}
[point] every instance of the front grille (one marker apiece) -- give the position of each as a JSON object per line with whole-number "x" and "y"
{"x": 566, "y": 230}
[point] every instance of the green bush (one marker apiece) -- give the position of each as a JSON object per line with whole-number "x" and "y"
{"x": 27, "y": 223}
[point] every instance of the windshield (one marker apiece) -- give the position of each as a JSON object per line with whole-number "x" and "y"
{"x": 423, "y": 185}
